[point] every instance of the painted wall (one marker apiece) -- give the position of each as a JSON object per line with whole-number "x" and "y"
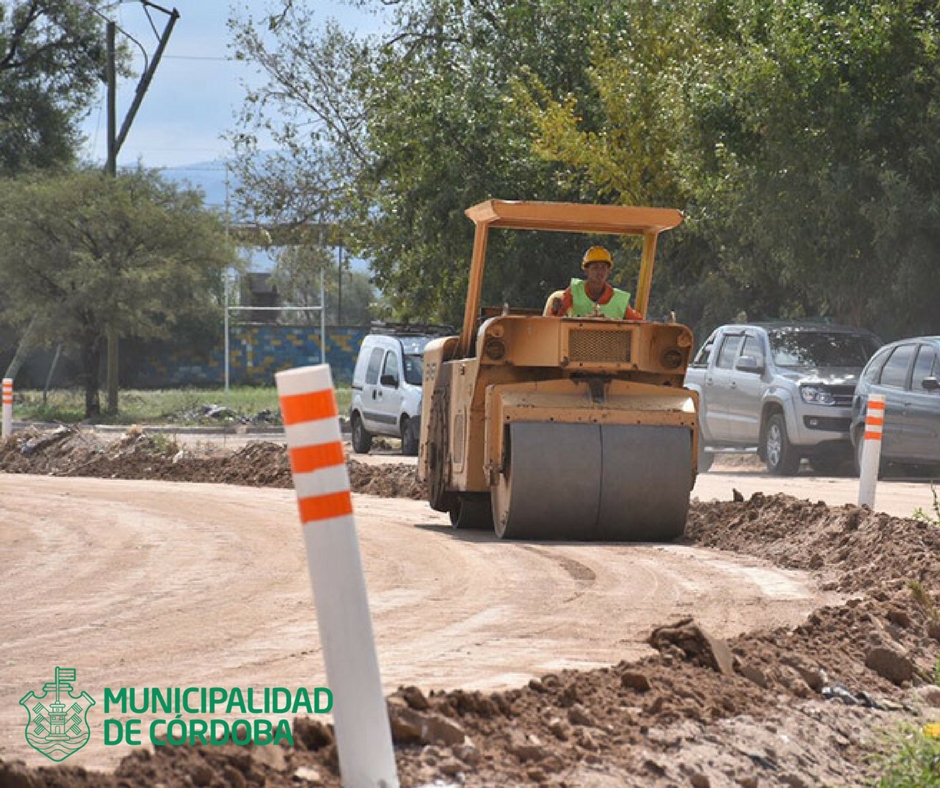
{"x": 256, "y": 352}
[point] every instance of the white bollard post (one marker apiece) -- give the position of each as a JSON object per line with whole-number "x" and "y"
{"x": 7, "y": 429}
{"x": 321, "y": 481}
{"x": 871, "y": 450}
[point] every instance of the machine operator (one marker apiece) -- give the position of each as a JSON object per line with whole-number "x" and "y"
{"x": 593, "y": 296}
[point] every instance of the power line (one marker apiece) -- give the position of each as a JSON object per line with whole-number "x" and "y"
{"x": 222, "y": 59}
{"x": 221, "y": 167}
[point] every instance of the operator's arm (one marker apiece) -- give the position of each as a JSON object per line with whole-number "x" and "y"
{"x": 632, "y": 314}
{"x": 562, "y": 306}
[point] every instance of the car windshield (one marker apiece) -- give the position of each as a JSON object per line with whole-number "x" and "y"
{"x": 413, "y": 358}
{"x": 414, "y": 368}
{"x": 414, "y": 346}
{"x": 811, "y": 349}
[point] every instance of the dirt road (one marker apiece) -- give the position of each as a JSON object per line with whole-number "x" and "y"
{"x": 175, "y": 584}
{"x": 556, "y": 664}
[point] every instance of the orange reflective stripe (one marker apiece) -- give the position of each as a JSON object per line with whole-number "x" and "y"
{"x": 874, "y": 421}
{"x": 323, "y": 507}
{"x": 310, "y": 458}
{"x": 298, "y": 408}
{"x": 874, "y": 404}
{"x": 872, "y": 436}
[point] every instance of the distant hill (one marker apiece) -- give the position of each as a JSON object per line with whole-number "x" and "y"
{"x": 207, "y": 176}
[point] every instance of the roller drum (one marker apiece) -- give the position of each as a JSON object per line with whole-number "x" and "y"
{"x": 607, "y": 482}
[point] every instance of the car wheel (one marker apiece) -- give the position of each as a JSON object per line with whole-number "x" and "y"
{"x": 409, "y": 437}
{"x": 361, "y": 439}
{"x": 780, "y": 455}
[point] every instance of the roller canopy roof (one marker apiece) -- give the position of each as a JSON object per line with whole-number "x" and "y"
{"x": 574, "y": 217}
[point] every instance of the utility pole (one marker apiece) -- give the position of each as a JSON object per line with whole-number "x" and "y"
{"x": 115, "y": 141}
{"x": 339, "y": 288}
{"x": 110, "y": 166}
{"x": 111, "y": 169}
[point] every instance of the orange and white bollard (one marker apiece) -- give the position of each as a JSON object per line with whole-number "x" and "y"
{"x": 7, "y": 428}
{"x": 871, "y": 450}
{"x": 321, "y": 481}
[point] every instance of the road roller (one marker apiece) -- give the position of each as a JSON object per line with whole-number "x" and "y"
{"x": 547, "y": 427}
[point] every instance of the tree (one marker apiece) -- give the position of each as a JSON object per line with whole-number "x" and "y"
{"x": 52, "y": 59}
{"x": 84, "y": 252}
{"x": 834, "y": 151}
{"x": 801, "y": 137}
{"x": 622, "y": 139}
{"x": 798, "y": 137}
{"x": 397, "y": 134}
{"x": 348, "y": 294}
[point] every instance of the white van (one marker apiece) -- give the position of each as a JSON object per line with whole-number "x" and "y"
{"x": 386, "y": 390}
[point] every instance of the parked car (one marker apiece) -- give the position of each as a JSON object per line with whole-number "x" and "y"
{"x": 907, "y": 374}
{"x": 386, "y": 386}
{"x": 782, "y": 390}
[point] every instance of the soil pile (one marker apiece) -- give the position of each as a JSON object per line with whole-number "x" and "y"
{"x": 138, "y": 454}
{"x": 784, "y": 707}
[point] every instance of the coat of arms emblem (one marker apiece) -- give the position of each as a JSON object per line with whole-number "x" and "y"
{"x": 57, "y": 725}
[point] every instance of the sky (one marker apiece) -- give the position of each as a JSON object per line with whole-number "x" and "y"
{"x": 196, "y": 89}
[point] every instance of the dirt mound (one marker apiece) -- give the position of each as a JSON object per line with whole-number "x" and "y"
{"x": 860, "y": 549}
{"x": 779, "y": 707}
{"x": 138, "y": 454}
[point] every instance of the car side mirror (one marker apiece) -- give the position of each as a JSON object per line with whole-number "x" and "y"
{"x": 749, "y": 364}
{"x": 389, "y": 380}
{"x": 931, "y": 383}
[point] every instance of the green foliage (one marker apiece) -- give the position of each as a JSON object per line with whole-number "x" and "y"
{"x": 184, "y": 407}
{"x": 929, "y": 517}
{"x": 914, "y": 761}
{"x": 397, "y": 135}
{"x": 348, "y": 294}
{"x": 446, "y": 131}
{"x": 52, "y": 57}
{"x": 924, "y": 599}
{"x": 798, "y": 137}
{"x": 840, "y": 103}
{"x": 804, "y": 143}
{"x": 84, "y": 253}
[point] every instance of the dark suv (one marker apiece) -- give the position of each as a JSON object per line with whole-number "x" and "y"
{"x": 907, "y": 374}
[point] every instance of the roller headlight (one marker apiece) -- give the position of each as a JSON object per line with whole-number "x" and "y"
{"x": 494, "y": 349}
{"x": 671, "y": 358}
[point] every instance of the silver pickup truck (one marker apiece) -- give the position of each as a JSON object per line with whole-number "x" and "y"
{"x": 782, "y": 390}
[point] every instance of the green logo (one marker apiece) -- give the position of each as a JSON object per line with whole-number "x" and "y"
{"x": 57, "y": 725}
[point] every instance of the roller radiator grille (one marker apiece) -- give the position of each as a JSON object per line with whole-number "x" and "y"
{"x": 591, "y": 345}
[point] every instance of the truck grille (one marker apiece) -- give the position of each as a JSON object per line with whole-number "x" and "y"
{"x": 592, "y": 345}
{"x": 842, "y": 395}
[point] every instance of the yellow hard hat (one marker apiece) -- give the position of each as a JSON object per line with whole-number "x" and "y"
{"x": 597, "y": 254}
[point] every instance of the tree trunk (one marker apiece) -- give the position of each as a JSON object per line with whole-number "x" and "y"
{"x": 91, "y": 366}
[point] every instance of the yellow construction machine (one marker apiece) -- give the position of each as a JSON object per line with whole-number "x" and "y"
{"x": 550, "y": 427}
